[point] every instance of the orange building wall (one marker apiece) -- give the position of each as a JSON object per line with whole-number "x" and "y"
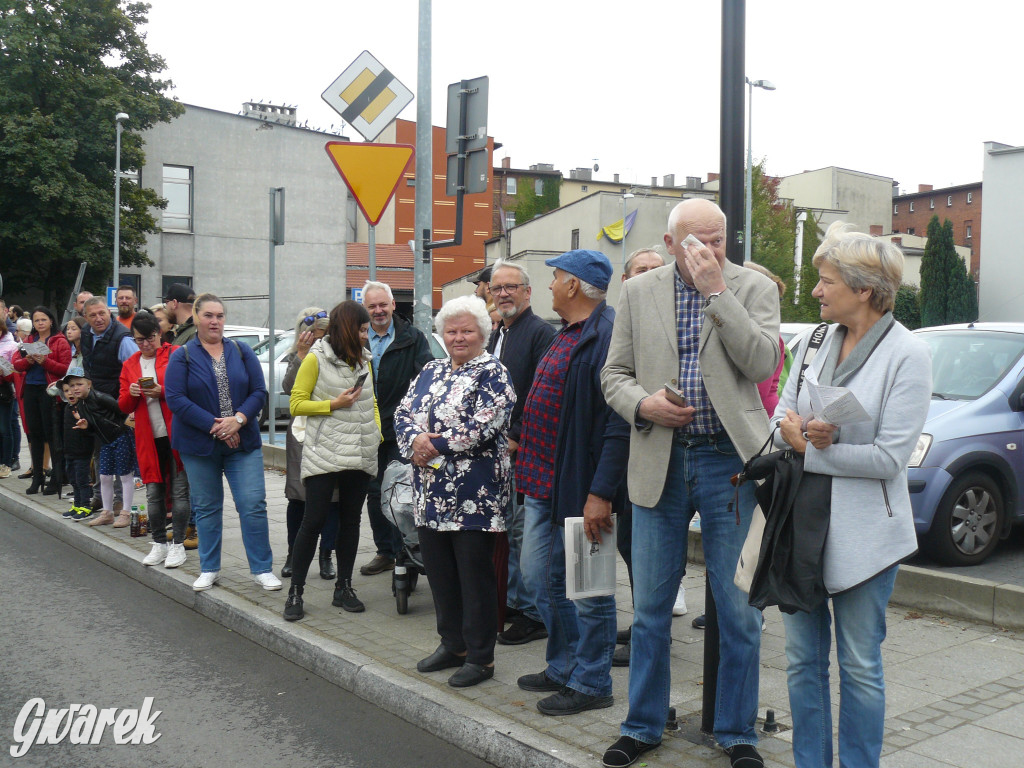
{"x": 453, "y": 262}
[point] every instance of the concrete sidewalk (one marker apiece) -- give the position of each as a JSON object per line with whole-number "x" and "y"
{"x": 955, "y": 689}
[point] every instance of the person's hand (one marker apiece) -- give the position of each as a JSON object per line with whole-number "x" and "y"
{"x": 704, "y": 269}
{"x": 225, "y": 428}
{"x": 37, "y": 359}
{"x": 597, "y": 517}
{"x": 513, "y": 446}
{"x": 791, "y": 428}
{"x": 423, "y": 451}
{"x": 134, "y": 389}
{"x": 820, "y": 433}
{"x": 154, "y": 391}
{"x": 346, "y": 398}
{"x": 80, "y": 423}
{"x": 232, "y": 442}
{"x": 303, "y": 344}
{"x": 660, "y": 410}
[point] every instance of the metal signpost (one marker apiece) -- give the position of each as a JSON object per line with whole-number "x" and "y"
{"x": 276, "y": 239}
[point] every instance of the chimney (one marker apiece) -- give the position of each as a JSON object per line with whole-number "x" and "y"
{"x": 712, "y": 177}
{"x": 506, "y": 162}
{"x": 654, "y": 181}
{"x": 669, "y": 180}
{"x": 876, "y": 230}
{"x": 924, "y": 187}
{"x": 615, "y": 178}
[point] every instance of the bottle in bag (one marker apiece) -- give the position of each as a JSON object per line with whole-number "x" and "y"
{"x": 133, "y": 528}
{"x": 143, "y": 521}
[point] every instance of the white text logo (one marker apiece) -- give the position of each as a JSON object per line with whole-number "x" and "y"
{"x": 82, "y": 724}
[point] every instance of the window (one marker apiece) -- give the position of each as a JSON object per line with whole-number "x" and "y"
{"x": 167, "y": 280}
{"x": 178, "y": 191}
{"x": 574, "y": 240}
{"x": 895, "y": 209}
{"x": 970, "y": 197}
{"x": 910, "y": 230}
{"x": 510, "y": 220}
{"x": 949, "y": 201}
{"x": 911, "y": 207}
{"x": 135, "y": 281}
{"x": 970, "y": 230}
{"x": 510, "y": 185}
{"x": 538, "y": 187}
{"x": 931, "y": 203}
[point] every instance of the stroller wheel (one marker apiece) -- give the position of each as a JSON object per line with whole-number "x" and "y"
{"x": 402, "y": 601}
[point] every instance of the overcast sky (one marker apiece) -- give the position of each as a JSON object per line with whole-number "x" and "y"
{"x": 903, "y": 88}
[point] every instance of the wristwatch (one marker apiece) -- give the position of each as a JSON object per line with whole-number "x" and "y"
{"x": 240, "y": 419}
{"x": 714, "y": 295}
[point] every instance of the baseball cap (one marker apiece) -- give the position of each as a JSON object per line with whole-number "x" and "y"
{"x": 589, "y": 266}
{"x": 180, "y": 292}
{"x": 483, "y": 276}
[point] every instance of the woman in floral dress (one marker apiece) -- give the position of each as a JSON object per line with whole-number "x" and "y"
{"x": 453, "y": 425}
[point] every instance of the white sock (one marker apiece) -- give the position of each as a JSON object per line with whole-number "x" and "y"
{"x": 107, "y": 491}
{"x": 128, "y": 490}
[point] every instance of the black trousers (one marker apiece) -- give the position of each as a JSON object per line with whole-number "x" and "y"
{"x": 39, "y": 413}
{"x": 460, "y": 569}
{"x": 351, "y": 485}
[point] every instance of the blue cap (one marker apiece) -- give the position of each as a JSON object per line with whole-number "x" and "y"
{"x": 589, "y": 266}
{"x": 74, "y": 371}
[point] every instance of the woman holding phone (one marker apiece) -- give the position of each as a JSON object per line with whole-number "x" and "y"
{"x": 334, "y": 392}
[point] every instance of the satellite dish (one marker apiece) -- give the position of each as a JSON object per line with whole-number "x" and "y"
{"x": 596, "y": 168}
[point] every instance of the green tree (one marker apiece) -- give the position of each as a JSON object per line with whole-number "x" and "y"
{"x": 907, "y": 309}
{"x": 529, "y": 204}
{"x": 807, "y": 309}
{"x": 947, "y": 294}
{"x": 65, "y": 70}
{"x": 772, "y": 226}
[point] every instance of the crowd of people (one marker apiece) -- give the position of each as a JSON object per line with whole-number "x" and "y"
{"x": 639, "y": 414}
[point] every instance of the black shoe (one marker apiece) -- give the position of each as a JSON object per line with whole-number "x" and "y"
{"x": 293, "y": 606}
{"x": 621, "y": 656}
{"x": 744, "y": 756}
{"x": 345, "y": 597}
{"x": 51, "y": 489}
{"x": 440, "y": 659}
{"x": 470, "y": 674}
{"x": 15, "y": 466}
{"x": 286, "y": 570}
{"x": 698, "y": 623}
{"x": 539, "y": 682}
{"x": 623, "y": 636}
{"x": 570, "y": 702}
{"x": 523, "y": 630}
{"x": 36, "y": 486}
{"x": 25, "y": 475}
{"x": 511, "y": 613}
{"x": 379, "y": 564}
{"x": 327, "y": 571}
{"x": 625, "y": 752}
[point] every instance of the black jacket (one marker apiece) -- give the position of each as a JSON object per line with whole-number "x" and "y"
{"x": 100, "y": 356}
{"x": 526, "y": 341}
{"x": 106, "y": 422}
{"x": 400, "y": 364}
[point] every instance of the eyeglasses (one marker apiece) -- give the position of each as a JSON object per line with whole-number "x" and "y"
{"x": 508, "y": 288}
{"x": 151, "y": 339}
{"x": 310, "y": 319}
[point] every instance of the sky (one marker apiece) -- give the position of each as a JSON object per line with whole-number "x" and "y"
{"x": 908, "y": 89}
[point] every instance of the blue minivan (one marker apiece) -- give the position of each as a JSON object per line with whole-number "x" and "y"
{"x": 967, "y": 471}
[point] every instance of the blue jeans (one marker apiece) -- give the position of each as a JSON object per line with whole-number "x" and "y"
{"x": 698, "y": 478}
{"x": 581, "y": 633}
{"x": 860, "y": 630}
{"x": 519, "y": 595}
{"x": 244, "y": 473}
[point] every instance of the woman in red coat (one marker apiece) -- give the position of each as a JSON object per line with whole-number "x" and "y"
{"x": 41, "y": 371}
{"x": 142, "y": 394}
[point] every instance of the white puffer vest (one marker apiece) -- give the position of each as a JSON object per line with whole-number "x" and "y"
{"x": 349, "y": 437}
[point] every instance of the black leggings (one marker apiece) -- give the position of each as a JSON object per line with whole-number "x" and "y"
{"x": 39, "y": 421}
{"x": 351, "y": 485}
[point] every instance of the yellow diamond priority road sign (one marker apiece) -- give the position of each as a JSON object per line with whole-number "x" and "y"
{"x": 372, "y": 172}
{"x": 367, "y": 96}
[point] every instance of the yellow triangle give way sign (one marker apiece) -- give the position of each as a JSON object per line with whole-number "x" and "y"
{"x": 372, "y": 172}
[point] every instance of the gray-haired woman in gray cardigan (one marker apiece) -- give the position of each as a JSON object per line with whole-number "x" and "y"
{"x": 872, "y": 526}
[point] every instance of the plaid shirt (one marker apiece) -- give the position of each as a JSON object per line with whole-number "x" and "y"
{"x": 689, "y": 320}
{"x": 535, "y": 466}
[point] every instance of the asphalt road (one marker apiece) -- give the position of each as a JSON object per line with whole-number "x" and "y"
{"x": 74, "y": 631}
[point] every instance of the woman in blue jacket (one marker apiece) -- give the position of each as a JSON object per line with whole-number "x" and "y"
{"x": 215, "y": 389}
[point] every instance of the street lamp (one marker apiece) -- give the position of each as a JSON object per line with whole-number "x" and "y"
{"x": 626, "y": 196}
{"x": 119, "y": 118}
{"x": 751, "y": 85}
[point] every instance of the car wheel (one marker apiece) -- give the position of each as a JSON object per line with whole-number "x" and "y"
{"x": 967, "y": 522}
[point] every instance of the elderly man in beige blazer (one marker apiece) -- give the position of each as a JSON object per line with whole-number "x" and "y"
{"x": 708, "y": 329}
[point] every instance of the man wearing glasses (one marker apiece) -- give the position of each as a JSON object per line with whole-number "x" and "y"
{"x": 519, "y": 342}
{"x": 400, "y": 351}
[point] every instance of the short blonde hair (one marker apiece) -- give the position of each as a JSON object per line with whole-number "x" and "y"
{"x": 863, "y": 262}
{"x": 204, "y": 298}
{"x": 464, "y": 305}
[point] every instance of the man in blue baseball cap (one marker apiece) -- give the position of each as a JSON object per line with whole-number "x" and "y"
{"x": 572, "y": 462}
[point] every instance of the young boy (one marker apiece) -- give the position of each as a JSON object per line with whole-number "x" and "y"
{"x": 89, "y": 416}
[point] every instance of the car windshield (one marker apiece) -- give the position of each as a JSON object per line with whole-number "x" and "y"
{"x": 967, "y": 364}
{"x": 283, "y": 342}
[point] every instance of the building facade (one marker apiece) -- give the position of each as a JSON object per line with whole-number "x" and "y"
{"x": 1001, "y": 289}
{"x": 911, "y": 213}
{"x": 862, "y": 199}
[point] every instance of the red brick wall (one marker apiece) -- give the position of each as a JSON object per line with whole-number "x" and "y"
{"x": 961, "y": 213}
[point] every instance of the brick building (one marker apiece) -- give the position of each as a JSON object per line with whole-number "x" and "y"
{"x": 961, "y": 205}
{"x": 513, "y": 186}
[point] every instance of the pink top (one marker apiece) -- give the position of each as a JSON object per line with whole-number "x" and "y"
{"x": 769, "y": 388}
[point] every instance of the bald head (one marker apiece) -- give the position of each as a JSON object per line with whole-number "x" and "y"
{"x": 693, "y": 213}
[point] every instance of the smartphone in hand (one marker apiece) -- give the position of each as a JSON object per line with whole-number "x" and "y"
{"x": 675, "y": 397}
{"x": 360, "y": 380}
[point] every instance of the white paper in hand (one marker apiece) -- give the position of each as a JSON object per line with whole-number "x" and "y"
{"x": 589, "y": 568}
{"x": 834, "y": 405}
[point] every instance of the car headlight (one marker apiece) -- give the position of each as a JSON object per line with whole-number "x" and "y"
{"x": 924, "y": 442}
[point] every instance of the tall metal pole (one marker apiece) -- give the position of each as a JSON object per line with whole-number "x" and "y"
{"x": 372, "y": 251}
{"x": 118, "y": 118}
{"x": 423, "y": 294}
{"x": 271, "y": 404}
{"x": 750, "y": 171}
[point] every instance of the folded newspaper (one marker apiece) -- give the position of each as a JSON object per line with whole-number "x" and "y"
{"x": 6, "y": 367}
{"x": 35, "y": 348}
{"x": 834, "y": 405}
{"x": 589, "y": 567}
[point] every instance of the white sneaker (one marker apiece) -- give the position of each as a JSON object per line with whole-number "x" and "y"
{"x": 175, "y": 555}
{"x": 206, "y": 580}
{"x": 268, "y": 581}
{"x": 679, "y": 609}
{"x": 5, "y": 471}
{"x": 156, "y": 554}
